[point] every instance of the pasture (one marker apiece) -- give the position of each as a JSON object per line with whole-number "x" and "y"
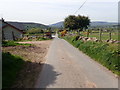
{"x": 104, "y": 35}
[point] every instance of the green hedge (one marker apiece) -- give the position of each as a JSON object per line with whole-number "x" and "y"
{"x": 106, "y": 54}
{"x": 11, "y": 65}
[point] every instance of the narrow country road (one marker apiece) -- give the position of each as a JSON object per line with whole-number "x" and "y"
{"x": 67, "y": 67}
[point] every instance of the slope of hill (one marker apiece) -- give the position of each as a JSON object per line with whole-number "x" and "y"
{"x": 100, "y": 23}
{"x": 27, "y": 25}
{"x": 35, "y": 25}
{"x": 58, "y": 25}
{"x": 94, "y": 23}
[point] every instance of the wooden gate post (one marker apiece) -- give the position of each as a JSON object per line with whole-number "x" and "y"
{"x": 88, "y": 33}
{"x": 100, "y": 35}
{"x": 110, "y": 35}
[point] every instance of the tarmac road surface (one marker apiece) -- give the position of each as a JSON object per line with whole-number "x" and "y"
{"x": 67, "y": 67}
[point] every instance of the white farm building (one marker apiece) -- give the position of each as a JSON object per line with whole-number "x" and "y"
{"x": 11, "y": 31}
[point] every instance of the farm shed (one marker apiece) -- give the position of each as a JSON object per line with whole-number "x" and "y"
{"x": 11, "y": 31}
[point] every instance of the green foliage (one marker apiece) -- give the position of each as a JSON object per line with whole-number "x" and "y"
{"x": 105, "y": 35}
{"x": 73, "y": 22}
{"x": 82, "y": 22}
{"x": 11, "y": 43}
{"x": 35, "y": 31}
{"x": 70, "y": 22}
{"x": 11, "y": 65}
{"x": 106, "y": 54}
{"x": 28, "y": 26}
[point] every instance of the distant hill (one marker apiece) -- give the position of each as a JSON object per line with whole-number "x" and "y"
{"x": 27, "y": 25}
{"x": 94, "y": 23}
{"x": 57, "y": 25}
{"x": 99, "y": 23}
{"x": 35, "y": 25}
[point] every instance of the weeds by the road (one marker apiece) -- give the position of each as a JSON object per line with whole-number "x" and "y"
{"x": 11, "y": 43}
{"x": 106, "y": 54}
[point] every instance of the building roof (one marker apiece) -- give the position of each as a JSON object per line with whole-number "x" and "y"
{"x": 18, "y": 27}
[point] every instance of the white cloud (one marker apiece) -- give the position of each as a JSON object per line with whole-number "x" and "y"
{"x": 71, "y": 1}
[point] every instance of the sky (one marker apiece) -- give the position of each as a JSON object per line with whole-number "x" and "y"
{"x": 53, "y": 11}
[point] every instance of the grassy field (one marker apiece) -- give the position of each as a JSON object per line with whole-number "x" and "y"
{"x": 105, "y": 35}
{"x": 104, "y": 53}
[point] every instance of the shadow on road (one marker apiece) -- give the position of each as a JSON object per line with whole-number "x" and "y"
{"x": 47, "y": 76}
{"x": 18, "y": 73}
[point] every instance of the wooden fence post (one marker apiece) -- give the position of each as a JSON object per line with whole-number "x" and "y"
{"x": 110, "y": 35}
{"x": 88, "y": 33}
{"x": 100, "y": 35}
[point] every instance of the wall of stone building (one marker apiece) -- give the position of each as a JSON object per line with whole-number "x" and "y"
{"x": 10, "y": 33}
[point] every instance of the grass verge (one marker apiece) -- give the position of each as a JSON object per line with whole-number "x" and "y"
{"x": 11, "y": 43}
{"x": 11, "y": 65}
{"x": 106, "y": 54}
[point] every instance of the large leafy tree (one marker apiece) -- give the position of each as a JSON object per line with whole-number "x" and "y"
{"x": 77, "y": 23}
{"x": 82, "y": 22}
{"x": 34, "y": 31}
{"x": 70, "y": 22}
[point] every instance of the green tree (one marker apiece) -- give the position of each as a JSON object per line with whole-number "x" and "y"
{"x": 77, "y": 23}
{"x": 82, "y": 22}
{"x": 70, "y": 22}
{"x": 34, "y": 31}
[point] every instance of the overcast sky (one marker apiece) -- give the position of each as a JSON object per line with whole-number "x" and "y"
{"x": 52, "y": 11}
